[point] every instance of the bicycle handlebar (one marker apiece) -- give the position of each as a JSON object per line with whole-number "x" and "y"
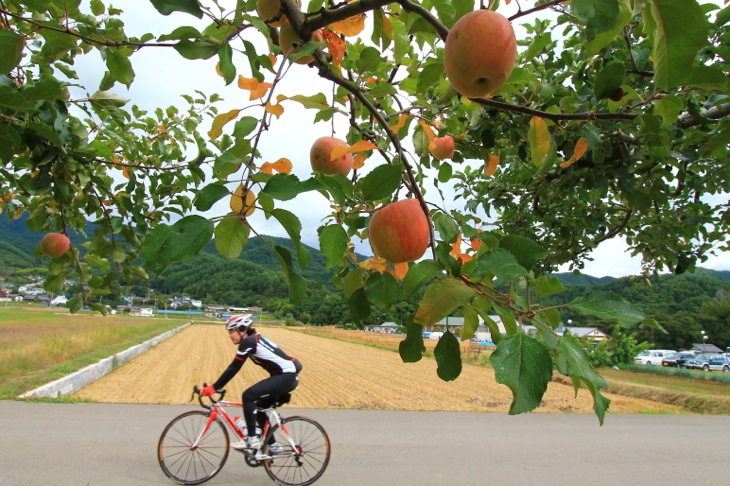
{"x": 213, "y": 401}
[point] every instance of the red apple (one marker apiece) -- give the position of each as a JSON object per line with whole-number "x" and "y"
{"x": 321, "y": 158}
{"x": 442, "y": 147}
{"x": 480, "y": 53}
{"x": 399, "y": 231}
{"x": 55, "y": 244}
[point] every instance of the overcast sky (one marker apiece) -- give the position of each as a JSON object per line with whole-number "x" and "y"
{"x": 162, "y": 76}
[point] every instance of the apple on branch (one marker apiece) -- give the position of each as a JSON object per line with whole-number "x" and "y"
{"x": 320, "y": 156}
{"x": 442, "y": 147}
{"x": 480, "y": 53}
{"x": 55, "y": 244}
{"x": 399, "y": 232}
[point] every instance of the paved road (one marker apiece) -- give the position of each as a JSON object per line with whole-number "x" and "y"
{"x": 103, "y": 444}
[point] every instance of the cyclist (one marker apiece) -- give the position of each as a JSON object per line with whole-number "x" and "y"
{"x": 283, "y": 374}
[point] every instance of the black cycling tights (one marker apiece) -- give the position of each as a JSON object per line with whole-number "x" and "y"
{"x": 263, "y": 393}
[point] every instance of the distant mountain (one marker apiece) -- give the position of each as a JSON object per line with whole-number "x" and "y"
{"x": 569, "y": 278}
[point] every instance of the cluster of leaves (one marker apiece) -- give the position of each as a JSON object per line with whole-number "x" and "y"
{"x": 614, "y": 126}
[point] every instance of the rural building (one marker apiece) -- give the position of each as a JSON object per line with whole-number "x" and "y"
{"x": 384, "y": 328}
{"x": 706, "y": 348}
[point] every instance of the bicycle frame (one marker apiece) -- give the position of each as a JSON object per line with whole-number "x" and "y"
{"x": 217, "y": 409}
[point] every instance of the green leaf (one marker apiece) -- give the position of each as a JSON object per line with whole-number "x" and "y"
{"x": 382, "y": 181}
{"x": 231, "y": 236}
{"x": 11, "y": 98}
{"x": 11, "y": 50}
{"x": 411, "y": 349}
{"x": 446, "y": 227}
{"x": 607, "y": 305}
{"x": 296, "y": 283}
{"x": 181, "y": 241}
{"x": 333, "y": 243}
{"x": 572, "y": 361}
{"x": 598, "y": 15}
{"x": 546, "y": 285}
{"x": 105, "y": 98}
{"x": 293, "y": 228}
{"x": 166, "y": 7}
{"x": 669, "y": 109}
{"x": 197, "y": 49}
{"x": 225, "y": 59}
{"x": 609, "y": 80}
{"x": 419, "y": 275}
{"x": 359, "y": 306}
{"x": 442, "y": 297}
{"x": 209, "y": 195}
{"x": 382, "y": 290}
{"x": 501, "y": 263}
{"x": 680, "y": 31}
{"x": 448, "y": 357}
{"x": 523, "y": 364}
{"x": 527, "y": 252}
{"x": 471, "y": 323}
{"x": 287, "y": 186}
{"x": 120, "y": 67}
{"x": 315, "y": 102}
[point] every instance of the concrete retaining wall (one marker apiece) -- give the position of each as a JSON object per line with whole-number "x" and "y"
{"x": 75, "y": 381}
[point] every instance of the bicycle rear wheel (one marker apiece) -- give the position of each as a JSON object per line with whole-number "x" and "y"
{"x": 184, "y": 464}
{"x": 303, "y": 464}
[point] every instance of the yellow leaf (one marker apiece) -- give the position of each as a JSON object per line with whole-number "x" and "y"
{"x": 125, "y": 172}
{"x": 351, "y": 26}
{"x": 581, "y": 146}
{"x": 375, "y": 263}
{"x": 218, "y": 69}
{"x": 276, "y": 110}
{"x": 280, "y": 98}
{"x": 358, "y": 162}
{"x": 456, "y": 247}
{"x": 361, "y": 146}
{"x": 490, "y": 168}
{"x": 540, "y": 140}
{"x": 282, "y": 166}
{"x": 257, "y": 88}
{"x": 220, "y": 121}
{"x": 242, "y": 201}
{"x": 401, "y": 269}
{"x": 402, "y": 119}
{"x": 427, "y": 130}
{"x": 387, "y": 26}
{"x": 335, "y": 46}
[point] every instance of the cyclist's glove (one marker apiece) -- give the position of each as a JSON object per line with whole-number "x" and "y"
{"x": 207, "y": 391}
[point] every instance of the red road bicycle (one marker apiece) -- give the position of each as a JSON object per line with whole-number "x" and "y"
{"x": 194, "y": 446}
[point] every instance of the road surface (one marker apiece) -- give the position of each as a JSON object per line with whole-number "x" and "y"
{"x": 115, "y": 444}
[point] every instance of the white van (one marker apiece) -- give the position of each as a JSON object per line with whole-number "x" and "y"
{"x": 652, "y": 357}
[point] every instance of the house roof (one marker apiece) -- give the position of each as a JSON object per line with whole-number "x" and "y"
{"x": 706, "y": 348}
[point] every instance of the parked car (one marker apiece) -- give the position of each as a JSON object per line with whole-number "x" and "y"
{"x": 677, "y": 360}
{"x": 701, "y": 361}
{"x": 719, "y": 364}
{"x": 652, "y": 357}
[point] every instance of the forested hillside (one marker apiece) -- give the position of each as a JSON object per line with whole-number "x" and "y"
{"x": 684, "y": 305}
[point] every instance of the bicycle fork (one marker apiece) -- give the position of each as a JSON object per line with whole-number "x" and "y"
{"x": 211, "y": 418}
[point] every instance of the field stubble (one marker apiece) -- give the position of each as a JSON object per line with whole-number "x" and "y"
{"x": 337, "y": 374}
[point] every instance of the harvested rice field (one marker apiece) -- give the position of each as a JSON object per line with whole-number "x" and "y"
{"x": 339, "y": 372}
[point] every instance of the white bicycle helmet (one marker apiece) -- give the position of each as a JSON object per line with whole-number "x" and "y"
{"x": 239, "y": 321}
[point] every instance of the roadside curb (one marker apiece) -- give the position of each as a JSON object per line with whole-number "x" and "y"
{"x": 76, "y": 381}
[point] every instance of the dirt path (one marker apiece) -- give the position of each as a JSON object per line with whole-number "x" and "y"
{"x": 336, "y": 375}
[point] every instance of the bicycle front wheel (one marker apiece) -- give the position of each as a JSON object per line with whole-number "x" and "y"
{"x": 305, "y": 462}
{"x": 186, "y": 464}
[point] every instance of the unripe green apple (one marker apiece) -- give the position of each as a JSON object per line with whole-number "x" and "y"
{"x": 320, "y": 156}
{"x": 55, "y": 244}
{"x": 480, "y": 53}
{"x": 287, "y": 38}
{"x": 399, "y": 231}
